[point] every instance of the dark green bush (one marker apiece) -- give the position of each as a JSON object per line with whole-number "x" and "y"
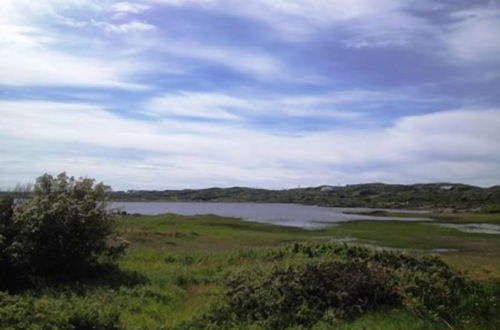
{"x": 7, "y": 233}
{"x": 62, "y": 231}
{"x": 327, "y": 283}
{"x": 302, "y": 294}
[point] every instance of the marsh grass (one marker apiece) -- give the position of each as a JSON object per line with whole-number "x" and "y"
{"x": 457, "y": 217}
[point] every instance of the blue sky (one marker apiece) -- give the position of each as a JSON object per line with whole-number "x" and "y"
{"x": 159, "y": 94}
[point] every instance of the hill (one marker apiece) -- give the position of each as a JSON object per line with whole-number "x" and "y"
{"x": 415, "y": 196}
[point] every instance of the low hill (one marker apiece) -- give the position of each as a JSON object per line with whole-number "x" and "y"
{"x": 415, "y": 196}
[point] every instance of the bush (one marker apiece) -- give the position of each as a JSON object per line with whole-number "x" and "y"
{"x": 63, "y": 230}
{"x": 7, "y": 232}
{"x": 326, "y": 283}
{"x": 304, "y": 294}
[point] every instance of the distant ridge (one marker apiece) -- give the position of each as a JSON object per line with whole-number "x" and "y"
{"x": 455, "y": 196}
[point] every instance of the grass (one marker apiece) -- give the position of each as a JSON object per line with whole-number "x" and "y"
{"x": 173, "y": 268}
{"x": 492, "y": 218}
{"x": 383, "y": 213}
{"x": 200, "y": 249}
{"x": 460, "y": 218}
{"x": 475, "y": 254}
{"x": 391, "y": 320}
{"x": 186, "y": 257}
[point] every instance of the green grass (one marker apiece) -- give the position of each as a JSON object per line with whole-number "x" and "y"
{"x": 174, "y": 266}
{"x": 475, "y": 254}
{"x": 186, "y": 257}
{"x": 465, "y": 217}
{"x": 390, "y": 320}
{"x": 492, "y": 218}
{"x": 382, "y": 213}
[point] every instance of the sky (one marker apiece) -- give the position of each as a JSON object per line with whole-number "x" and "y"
{"x": 167, "y": 94}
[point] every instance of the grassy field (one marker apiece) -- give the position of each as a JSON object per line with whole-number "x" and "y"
{"x": 174, "y": 266}
{"x": 473, "y": 253}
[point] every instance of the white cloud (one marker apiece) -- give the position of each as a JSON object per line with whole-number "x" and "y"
{"x": 372, "y": 23}
{"x": 185, "y": 2}
{"x": 123, "y": 8}
{"x": 28, "y": 66}
{"x": 130, "y": 27}
{"x": 23, "y": 36}
{"x": 200, "y": 105}
{"x": 256, "y": 63}
{"x": 475, "y": 37}
{"x": 225, "y": 106}
{"x": 298, "y": 19}
{"x": 376, "y": 40}
{"x": 34, "y": 55}
{"x": 445, "y": 146}
{"x": 57, "y": 53}
{"x": 316, "y": 11}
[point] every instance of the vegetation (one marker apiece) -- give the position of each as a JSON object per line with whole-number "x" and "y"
{"x": 325, "y": 284}
{"x": 451, "y": 217}
{"x": 210, "y": 272}
{"x": 62, "y": 231}
{"x": 6, "y": 239}
{"x": 20, "y": 313}
{"x": 180, "y": 272}
{"x": 423, "y": 196}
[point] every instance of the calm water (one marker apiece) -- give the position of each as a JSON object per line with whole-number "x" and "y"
{"x": 296, "y": 215}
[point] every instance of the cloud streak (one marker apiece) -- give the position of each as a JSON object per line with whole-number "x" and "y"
{"x": 170, "y": 149}
{"x": 33, "y": 55}
{"x": 471, "y": 38}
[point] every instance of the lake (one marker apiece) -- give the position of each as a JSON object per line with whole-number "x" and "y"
{"x": 296, "y": 215}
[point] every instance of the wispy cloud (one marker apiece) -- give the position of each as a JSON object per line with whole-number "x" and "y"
{"x": 233, "y": 106}
{"x": 34, "y": 55}
{"x": 123, "y": 9}
{"x": 413, "y": 148}
{"x": 373, "y": 23}
{"x": 197, "y": 105}
{"x": 130, "y": 27}
{"x": 255, "y": 63}
{"x": 472, "y": 37}
{"x": 27, "y": 66}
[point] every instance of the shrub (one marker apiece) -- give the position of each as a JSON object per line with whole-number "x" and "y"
{"x": 7, "y": 232}
{"x": 302, "y": 294}
{"x": 298, "y": 295}
{"x": 326, "y": 283}
{"x": 63, "y": 229}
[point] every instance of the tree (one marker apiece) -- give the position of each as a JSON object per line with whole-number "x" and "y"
{"x": 64, "y": 228}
